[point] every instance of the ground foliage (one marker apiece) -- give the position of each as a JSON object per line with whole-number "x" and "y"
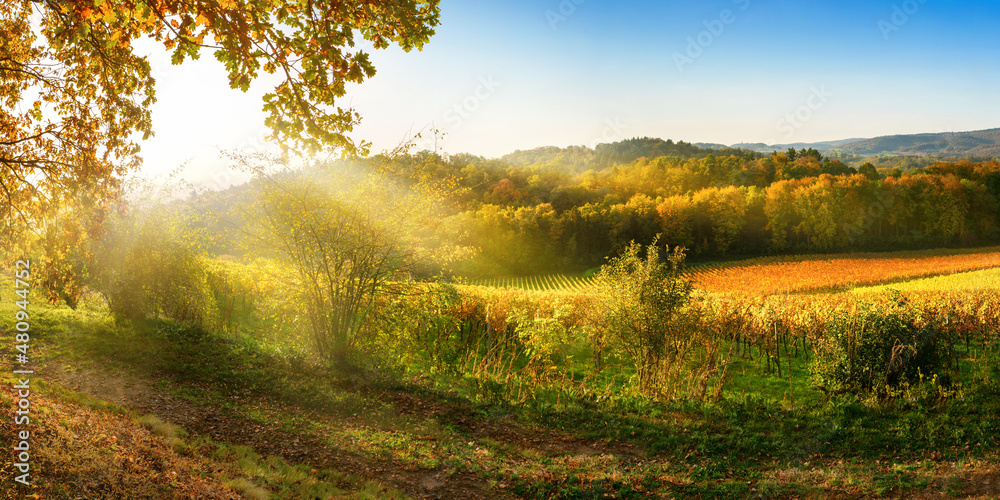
{"x": 437, "y": 433}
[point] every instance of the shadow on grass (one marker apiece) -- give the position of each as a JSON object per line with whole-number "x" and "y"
{"x": 714, "y": 449}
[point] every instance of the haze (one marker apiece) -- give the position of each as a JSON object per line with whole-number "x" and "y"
{"x": 501, "y": 76}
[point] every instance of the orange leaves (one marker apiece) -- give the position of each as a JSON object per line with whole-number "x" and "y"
{"x": 789, "y": 275}
{"x": 86, "y": 447}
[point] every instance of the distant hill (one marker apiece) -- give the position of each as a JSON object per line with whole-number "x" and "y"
{"x": 981, "y": 143}
{"x": 756, "y": 146}
{"x": 977, "y": 144}
{"x": 825, "y": 145}
{"x": 621, "y": 152}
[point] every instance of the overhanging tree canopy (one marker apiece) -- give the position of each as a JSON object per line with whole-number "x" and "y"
{"x": 76, "y": 98}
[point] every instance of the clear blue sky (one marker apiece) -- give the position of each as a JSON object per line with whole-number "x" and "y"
{"x": 506, "y": 75}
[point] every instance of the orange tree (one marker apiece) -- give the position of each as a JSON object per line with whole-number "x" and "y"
{"x": 76, "y": 97}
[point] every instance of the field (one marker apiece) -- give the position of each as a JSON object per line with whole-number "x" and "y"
{"x": 497, "y": 394}
{"x": 543, "y": 283}
{"x": 986, "y": 279}
{"x": 795, "y": 274}
{"x": 833, "y": 273}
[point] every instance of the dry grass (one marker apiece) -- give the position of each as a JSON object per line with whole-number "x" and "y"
{"x": 79, "y": 452}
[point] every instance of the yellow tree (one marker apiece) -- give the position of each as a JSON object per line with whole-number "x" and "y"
{"x": 76, "y": 97}
{"x": 352, "y": 236}
{"x": 724, "y": 210}
{"x": 675, "y": 215}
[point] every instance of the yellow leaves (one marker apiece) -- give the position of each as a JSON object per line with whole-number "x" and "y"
{"x": 115, "y": 39}
{"x": 298, "y": 109}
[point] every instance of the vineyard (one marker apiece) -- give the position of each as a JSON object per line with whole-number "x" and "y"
{"x": 832, "y": 274}
{"x": 545, "y": 283}
{"x": 813, "y": 273}
{"x": 986, "y": 279}
{"x": 741, "y": 385}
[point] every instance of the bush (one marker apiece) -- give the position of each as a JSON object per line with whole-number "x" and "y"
{"x": 644, "y": 307}
{"x": 144, "y": 268}
{"x": 876, "y": 349}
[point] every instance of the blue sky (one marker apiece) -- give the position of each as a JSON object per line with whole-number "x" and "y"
{"x": 505, "y": 75}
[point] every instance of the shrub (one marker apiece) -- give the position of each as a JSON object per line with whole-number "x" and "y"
{"x": 643, "y": 306}
{"x": 144, "y": 268}
{"x": 877, "y": 348}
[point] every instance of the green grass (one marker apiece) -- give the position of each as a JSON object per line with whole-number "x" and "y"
{"x": 768, "y": 436}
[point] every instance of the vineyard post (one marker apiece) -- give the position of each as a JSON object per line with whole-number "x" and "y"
{"x": 791, "y": 335}
{"x": 788, "y": 354}
{"x": 777, "y": 349}
{"x": 765, "y": 350}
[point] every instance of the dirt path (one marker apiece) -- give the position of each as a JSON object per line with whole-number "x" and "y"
{"x": 142, "y": 397}
{"x": 508, "y": 431}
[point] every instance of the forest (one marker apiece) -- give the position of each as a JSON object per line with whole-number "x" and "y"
{"x": 561, "y": 210}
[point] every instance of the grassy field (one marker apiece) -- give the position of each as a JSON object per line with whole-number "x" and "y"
{"x": 170, "y": 410}
{"x": 248, "y": 423}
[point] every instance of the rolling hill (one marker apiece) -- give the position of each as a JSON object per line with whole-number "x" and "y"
{"x": 979, "y": 144}
{"x": 982, "y": 143}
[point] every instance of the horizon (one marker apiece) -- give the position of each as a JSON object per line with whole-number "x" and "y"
{"x": 497, "y": 78}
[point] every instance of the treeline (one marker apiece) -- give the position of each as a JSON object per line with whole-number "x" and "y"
{"x": 558, "y": 209}
{"x": 573, "y": 177}
{"x": 621, "y": 152}
{"x": 544, "y": 216}
{"x": 823, "y": 213}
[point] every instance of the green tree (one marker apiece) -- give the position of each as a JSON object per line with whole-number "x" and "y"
{"x": 675, "y": 215}
{"x": 146, "y": 264}
{"x": 791, "y": 153}
{"x": 868, "y": 170}
{"x": 351, "y": 237}
{"x": 721, "y": 213}
{"x": 642, "y": 300}
{"x": 876, "y": 348}
{"x": 779, "y": 207}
